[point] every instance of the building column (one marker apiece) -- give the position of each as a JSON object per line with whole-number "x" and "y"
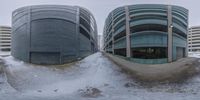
{"x": 29, "y": 34}
{"x": 170, "y": 34}
{"x": 77, "y": 32}
{"x": 113, "y": 49}
{"x": 112, "y": 33}
{"x": 128, "y": 42}
{"x": 187, "y": 48}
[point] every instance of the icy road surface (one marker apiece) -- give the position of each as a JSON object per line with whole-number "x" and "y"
{"x": 94, "y": 77}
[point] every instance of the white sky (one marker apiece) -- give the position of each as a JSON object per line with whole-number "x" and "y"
{"x": 99, "y": 8}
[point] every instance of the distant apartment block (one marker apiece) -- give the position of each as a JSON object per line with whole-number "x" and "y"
{"x": 100, "y": 42}
{"x": 5, "y": 38}
{"x": 194, "y": 39}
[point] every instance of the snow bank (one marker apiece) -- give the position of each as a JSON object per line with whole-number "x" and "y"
{"x": 174, "y": 71}
{"x": 194, "y": 54}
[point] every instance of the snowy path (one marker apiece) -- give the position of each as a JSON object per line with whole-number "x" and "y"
{"x": 35, "y": 82}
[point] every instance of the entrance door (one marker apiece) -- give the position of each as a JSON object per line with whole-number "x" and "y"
{"x": 180, "y": 52}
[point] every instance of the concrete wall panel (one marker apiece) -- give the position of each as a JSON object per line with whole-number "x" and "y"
{"x": 49, "y": 34}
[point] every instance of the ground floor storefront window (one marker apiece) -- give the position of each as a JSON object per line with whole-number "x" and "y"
{"x": 149, "y": 52}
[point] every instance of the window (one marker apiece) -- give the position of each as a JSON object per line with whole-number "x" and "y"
{"x": 148, "y": 27}
{"x": 149, "y": 52}
{"x": 85, "y": 33}
{"x": 121, "y": 52}
{"x": 85, "y": 24}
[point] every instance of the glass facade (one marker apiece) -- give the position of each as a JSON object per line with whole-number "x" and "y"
{"x": 148, "y": 27}
{"x": 149, "y": 52}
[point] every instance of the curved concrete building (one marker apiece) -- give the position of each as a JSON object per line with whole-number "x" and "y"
{"x": 53, "y": 34}
{"x": 147, "y": 33}
{"x": 5, "y": 38}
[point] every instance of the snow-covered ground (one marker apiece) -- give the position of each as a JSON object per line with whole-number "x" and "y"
{"x": 94, "y": 77}
{"x": 194, "y": 54}
{"x": 4, "y": 53}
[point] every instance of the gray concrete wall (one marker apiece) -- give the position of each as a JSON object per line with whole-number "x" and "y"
{"x": 50, "y": 34}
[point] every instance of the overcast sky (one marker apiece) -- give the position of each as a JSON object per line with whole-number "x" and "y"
{"x": 99, "y": 8}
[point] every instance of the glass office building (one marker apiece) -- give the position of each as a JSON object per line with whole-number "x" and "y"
{"x": 147, "y": 33}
